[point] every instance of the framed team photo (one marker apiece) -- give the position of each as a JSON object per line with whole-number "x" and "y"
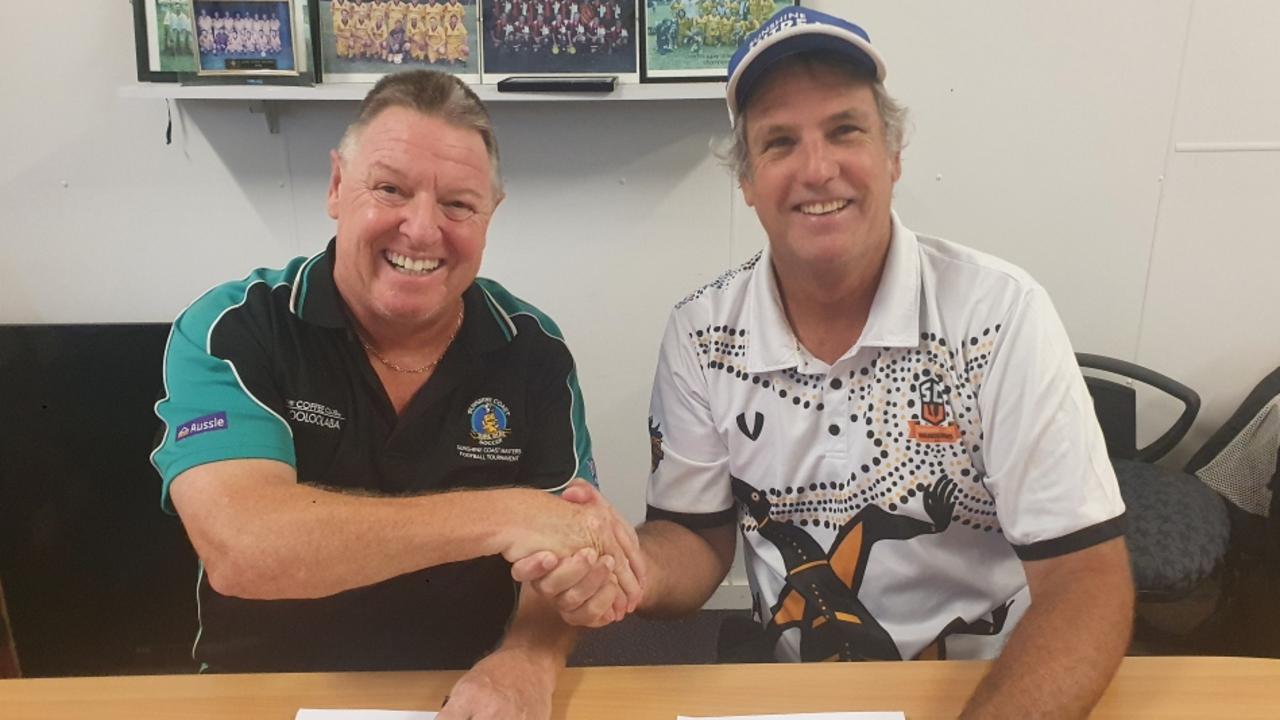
{"x": 560, "y": 37}
{"x": 694, "y": 39}
{"x": 362, "y": 40}
{"x": 249, "y": 38}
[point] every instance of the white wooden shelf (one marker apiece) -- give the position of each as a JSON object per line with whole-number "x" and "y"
{"x": 266, "y": 98}
{"x": 357, "y": 91}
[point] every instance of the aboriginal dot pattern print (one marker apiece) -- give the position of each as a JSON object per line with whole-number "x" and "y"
{"x": 721, "y": 282}
{"x": 884, "y": 395}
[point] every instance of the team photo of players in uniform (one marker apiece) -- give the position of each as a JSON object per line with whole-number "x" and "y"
{"x": 372, "y": 37}
{"x": 244, "y": 35}
{"x": 549, "y": 36}
{"x": 697, "y": 37}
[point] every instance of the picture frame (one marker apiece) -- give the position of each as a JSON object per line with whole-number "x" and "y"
{"x": 693, "y": 40}
{"x": 550, "y": 38}
{"x": 427, "y": 34}
{"x": 249, "y": 39}
{"x": 163, "y": 56}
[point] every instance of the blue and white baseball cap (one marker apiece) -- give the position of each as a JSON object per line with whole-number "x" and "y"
{"x": 792, "y": 31}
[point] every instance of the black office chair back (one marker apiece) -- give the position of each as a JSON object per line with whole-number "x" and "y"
{"x": 1240, "y": 461}
{"x": 1116, "y": 405}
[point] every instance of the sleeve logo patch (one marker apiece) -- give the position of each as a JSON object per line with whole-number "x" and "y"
{"x": 205, "y": 423}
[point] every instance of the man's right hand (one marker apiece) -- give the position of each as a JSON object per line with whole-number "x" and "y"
{"x": 583, "y": 588}
{"x": 578, "y": 550}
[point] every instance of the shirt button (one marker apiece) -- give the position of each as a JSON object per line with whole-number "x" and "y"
{"x": 835, "y": 384}
{"x": 833, "y": 429}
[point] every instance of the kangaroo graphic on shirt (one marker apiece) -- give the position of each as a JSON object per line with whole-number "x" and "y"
{"x": 820, "y": 596}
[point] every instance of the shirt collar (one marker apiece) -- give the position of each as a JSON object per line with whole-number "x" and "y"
{"x": 894, "y": 319}
{"x": 315, "y": 297}
{"x": 773, "y": 345}
{"x": 895, "y": 313}
{"x": 486, "y": 326}
{"x": 316, "y": 300}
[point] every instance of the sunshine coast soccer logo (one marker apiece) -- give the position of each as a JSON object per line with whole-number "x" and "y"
{"x": 490, "y": 421}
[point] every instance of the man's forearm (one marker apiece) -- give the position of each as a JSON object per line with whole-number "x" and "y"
{"x": 334, "y": 542}
{"x": 1064, "y": 652}
{"x": 685, "y": 567}
{"x": 538, "y": 631}
{"x": 277, "y": 539}
{"x": 519, "y": 678}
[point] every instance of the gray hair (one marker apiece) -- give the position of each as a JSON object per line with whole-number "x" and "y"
{"x": 432, "y": 93}
{"x": 733, "y": 150}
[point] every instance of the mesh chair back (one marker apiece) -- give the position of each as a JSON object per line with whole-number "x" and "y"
{"x": 1240, "y": 459}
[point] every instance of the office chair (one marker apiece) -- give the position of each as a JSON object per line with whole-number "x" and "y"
{"x": 1240, "y": 461}
{"x": 1178, "y": 528}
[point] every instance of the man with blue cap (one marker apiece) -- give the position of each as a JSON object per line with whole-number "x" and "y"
{"x": 896, "y": 424}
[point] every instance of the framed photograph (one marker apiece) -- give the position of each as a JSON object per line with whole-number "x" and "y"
{"x": 164, "y": 35}
{"x": 560, "y": 37}
{"x": 166, "y": 38}
{"x": 362, "y": 40}
{"x": 687, "y": 40}
{"x": 249, "y": 38}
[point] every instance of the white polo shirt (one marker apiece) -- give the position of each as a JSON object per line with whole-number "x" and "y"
{"x": 886, "y": 501}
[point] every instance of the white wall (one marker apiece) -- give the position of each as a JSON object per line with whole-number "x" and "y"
{"x": 1069, "y": 138}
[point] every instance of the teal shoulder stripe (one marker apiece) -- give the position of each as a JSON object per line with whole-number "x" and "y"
{"x": 199, "y": 386}
{"x": 509, "y": 305}
{"x": 301, "y": 283}
{"x": 492, "y": 292}
{"x": 512, "y": 306}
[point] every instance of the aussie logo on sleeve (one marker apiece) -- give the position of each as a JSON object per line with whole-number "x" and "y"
{"x": 202, "y": 424}
{"x": 489, "y": 421}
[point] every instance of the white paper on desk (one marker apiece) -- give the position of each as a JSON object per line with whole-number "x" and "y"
{"x": 805, "y": 716}
{"x": 308, "y": 714}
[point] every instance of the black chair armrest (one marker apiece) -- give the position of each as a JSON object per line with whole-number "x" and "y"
{"x": 1188, "y": 397}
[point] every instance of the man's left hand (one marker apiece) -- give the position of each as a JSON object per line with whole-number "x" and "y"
{"x": 510, "y": 684}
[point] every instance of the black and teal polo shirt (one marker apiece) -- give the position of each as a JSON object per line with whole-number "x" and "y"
{"x": 269, "y": 367}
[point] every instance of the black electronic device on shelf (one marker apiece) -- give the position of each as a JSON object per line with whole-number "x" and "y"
{"x": 565, "y": 84}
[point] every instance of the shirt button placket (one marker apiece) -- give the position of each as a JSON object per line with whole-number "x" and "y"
{"x": 835, "y": 415}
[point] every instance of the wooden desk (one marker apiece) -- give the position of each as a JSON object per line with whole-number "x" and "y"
{"x": 1146, "y": 687}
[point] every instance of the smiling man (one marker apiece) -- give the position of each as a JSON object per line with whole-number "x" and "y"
{"x": 360, "y": 443}
{"x": 895, "y": 424}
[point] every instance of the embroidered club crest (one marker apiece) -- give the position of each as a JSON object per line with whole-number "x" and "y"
{"x": 490, "y": 421}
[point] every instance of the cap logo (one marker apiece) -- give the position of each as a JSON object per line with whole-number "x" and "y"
{"x": 778, "y": 24}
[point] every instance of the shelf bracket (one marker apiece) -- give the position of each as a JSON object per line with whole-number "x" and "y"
{"x": 271, "y": 111}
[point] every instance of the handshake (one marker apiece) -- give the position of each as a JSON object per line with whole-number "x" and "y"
{"x": 578, "y": 552}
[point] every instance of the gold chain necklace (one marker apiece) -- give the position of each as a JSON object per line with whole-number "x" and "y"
{"x": 418, "y": 370}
